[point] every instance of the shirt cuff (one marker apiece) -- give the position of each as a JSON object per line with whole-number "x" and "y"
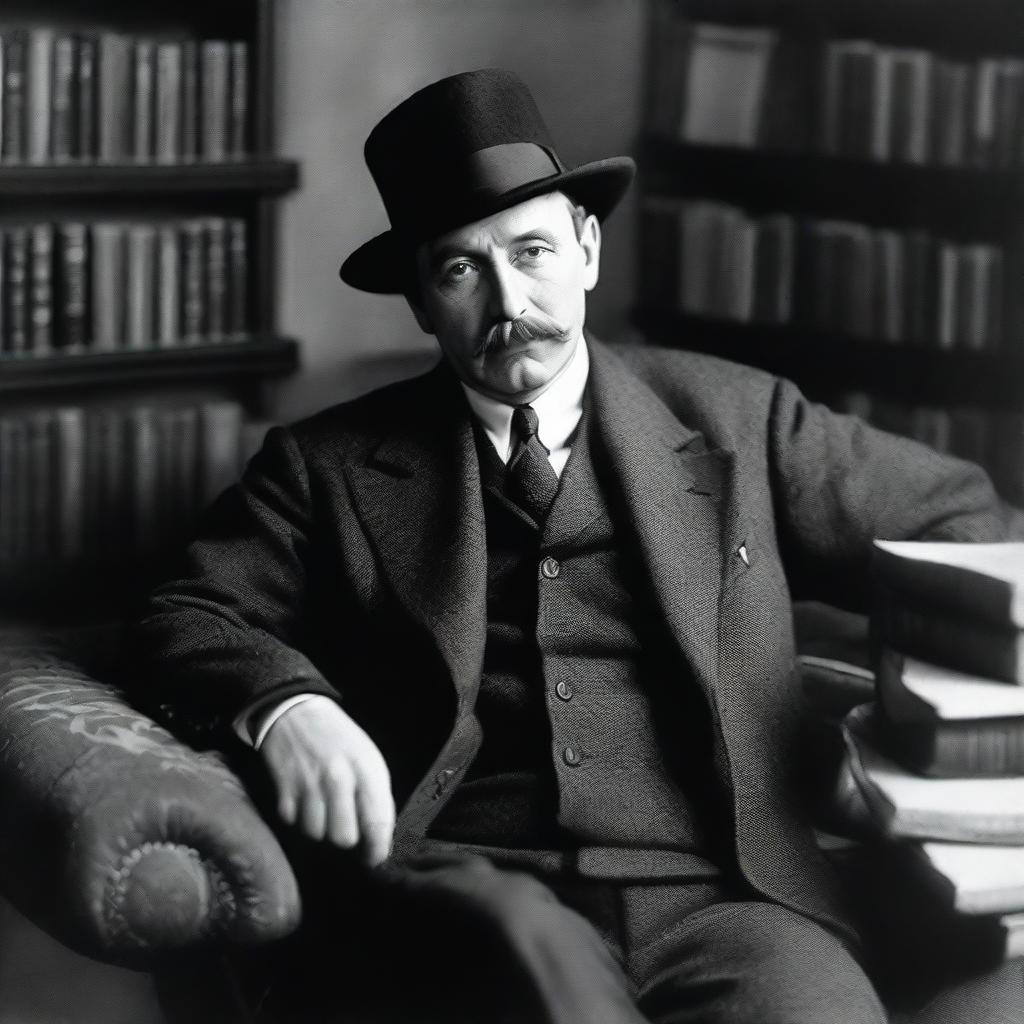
{"x": 253, "y": 724}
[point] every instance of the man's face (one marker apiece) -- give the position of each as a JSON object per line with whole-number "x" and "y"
{"x": 506, "y": 296}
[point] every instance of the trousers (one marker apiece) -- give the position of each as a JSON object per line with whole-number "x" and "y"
{"x": 460, "y": 940}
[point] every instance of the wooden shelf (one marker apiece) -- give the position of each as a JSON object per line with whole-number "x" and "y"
{"x": 268, "y": 177}
{"x": 827, "y": 364}
{"x": 816, "y": 185}
{"x": 259, "y": 356}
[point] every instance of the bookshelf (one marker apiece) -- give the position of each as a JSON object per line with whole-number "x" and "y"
{"x": 848, "y": 215}
{"x": 138, "y": 203}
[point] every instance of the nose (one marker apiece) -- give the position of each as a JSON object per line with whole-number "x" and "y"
{"x": 506, "y": 299}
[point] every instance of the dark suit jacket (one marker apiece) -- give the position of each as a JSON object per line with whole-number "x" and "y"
{"x": 351, "y": 561}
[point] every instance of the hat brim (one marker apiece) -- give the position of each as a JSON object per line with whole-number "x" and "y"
{"x": 377, "y": 265}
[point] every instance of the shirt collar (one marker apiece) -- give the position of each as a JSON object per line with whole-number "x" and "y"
{"x": 559, "y": 407}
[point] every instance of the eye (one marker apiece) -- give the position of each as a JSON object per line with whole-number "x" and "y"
{"x": 533, "y": 253}
{"x": 459, "y": 271}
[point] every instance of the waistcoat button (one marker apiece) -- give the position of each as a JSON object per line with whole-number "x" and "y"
{"x": 564, "y": 690}
{"x": 571, "y": 756}
{"x": 550, "y": 567}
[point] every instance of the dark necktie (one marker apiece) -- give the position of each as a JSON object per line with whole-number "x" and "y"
{"x": 530, "y": 481}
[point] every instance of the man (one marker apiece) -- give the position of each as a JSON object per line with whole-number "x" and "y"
{"x": 539, "y": 601}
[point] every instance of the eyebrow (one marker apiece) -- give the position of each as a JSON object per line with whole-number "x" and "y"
{"x": 446, "y": 252}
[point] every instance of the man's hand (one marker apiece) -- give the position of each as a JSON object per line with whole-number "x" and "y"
{"x": 331, "y": 779}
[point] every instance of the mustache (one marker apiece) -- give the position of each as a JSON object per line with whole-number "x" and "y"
{"x": 528, "y": 327}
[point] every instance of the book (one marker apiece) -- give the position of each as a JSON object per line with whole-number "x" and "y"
{"x": 142, "y": 454}
{"x": 238, "y": 121}
{"x": 912, "y": 74}
{"x": 167, "y": 143}
{"x": 950, "y": 268}
{"x": 726, "y": 82}
{"x": 941, "y": 722}
{"x": 39, "y": 528}
{"x": 107, "y": 290}
{"x": 981, "y": 581}
{"x": 1009, "y": 112}
{"x": 40, "y": 294}
{"x": 951, "y": 113}
{"x": 114, "y": 96}
{"x": 219, "y": 447}
{"x": 189, "y": 100}
{"x": 143, "y": 100}
{"x": 38, "y": 83}
{"x": 140, "y": 285}
{"x": 72, "y": 291}
{"x": 168, "y": 294}
{"x": 213, "y": 99}
{"x": 889, "y": 286}
{"x": 849, "y": 106}
{"x": 14, "y": 142}
{"x": 69, "y": 481}
{"x": 979, "y": 319}
{"x": 87, "y": 140}
{"x": 904, "y": 805}
{"x": 974, "y": 879}
{"x": 16, "y": 260}
{"x": 774, "y": 269}
{"x": 238, "y": 276}
{"x": 215, "y": 242}
{"x": 63, "y": 143}
{"x": 983, "y": 125}
{"x": 193, "y": 281}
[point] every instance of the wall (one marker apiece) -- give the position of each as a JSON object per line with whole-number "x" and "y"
{"x": 342, "y": 65}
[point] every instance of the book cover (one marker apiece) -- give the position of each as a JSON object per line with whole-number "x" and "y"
{"x": 904, "y": 805}
{"x": 167, "y": 144}
{"x": 734, "y": 285}
{"x": 974, "y": 879}
{"x": 13, "y": 128}
{"x": 950, "y": 267}
{"x": 979, "y": 320}
{"x": 141, "y": 286}
{"x": 39, "y": 533}
{"x": 726, "y": 80}
{"x": 38, "y": 82}
{"x": 238, "y": 275}
{"x": 16, "y": 259}
{"x": 951, "y": 113}
{"x": 168, "y": 288}
{"x": 142, "y": 443}
{"x": 889, "y": 285}
{"x": 107, "y": 287}
{"x": 63, "y": 144}
{"x": 114, "y": 96}
{"x": 87, "y": 138}
{"x": 848, "y": 105}
{"x": 143, "y": 99}
{"x": 981, "y": 581}
{"x": 41, "y": 289}
{"x": 1009, "y": 112}
{"x": 72, "y": 328}
{"x": 702, "y": 243}
{"x": 774, "y": 269}
{"x": 189, "y": 100}
{"x": 913, "y": 73}
{"x": 238, "y": 134}
{"x": 213, "y": 98}
{"x": 983, "y": 126}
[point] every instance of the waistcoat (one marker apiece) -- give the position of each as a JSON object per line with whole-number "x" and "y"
{"x": 594, "y": 732}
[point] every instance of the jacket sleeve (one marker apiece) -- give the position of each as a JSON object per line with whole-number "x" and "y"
{"x": 227, "y": 631}
{"x": 839, "y": 483}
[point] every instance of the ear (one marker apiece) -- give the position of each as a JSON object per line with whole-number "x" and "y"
{"x": 421, "y": 315}
{"x": 590, "y": 243}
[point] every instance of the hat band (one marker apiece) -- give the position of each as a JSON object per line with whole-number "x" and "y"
{"x": 499, "y": 169}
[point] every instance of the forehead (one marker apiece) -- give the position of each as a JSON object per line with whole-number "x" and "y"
{"x": 548, "y": 212}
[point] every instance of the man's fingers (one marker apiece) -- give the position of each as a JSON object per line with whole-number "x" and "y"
{"x": 376, "y": 809}
{"x": 342, "y": 824}
{"x": 313, "y": 812}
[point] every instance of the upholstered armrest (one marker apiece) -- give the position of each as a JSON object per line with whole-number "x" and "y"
{"x": 113, "y": 835}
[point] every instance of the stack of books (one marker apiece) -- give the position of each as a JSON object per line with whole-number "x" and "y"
{"x": 936, "y": 764}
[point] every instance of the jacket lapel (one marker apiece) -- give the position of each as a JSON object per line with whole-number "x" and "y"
{"x": 418, "y": 494}
{"x": 673, "y": 490}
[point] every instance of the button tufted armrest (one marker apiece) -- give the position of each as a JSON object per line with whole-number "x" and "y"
{"x": 114, "y": 836}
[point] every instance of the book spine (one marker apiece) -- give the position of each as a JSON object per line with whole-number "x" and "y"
{"x": 189, "y": 100}
{"x": 144, "y": 61}
{"x": 238, "y": 145}
{"x": 17, "y": 480}
{"x": 215, "y": 239}
{"x": 219, "y": 446}
{"x": 141, "y": 271}
{"x": 16, "y": 279}
{"x": 168, "y": 103}
{"x": 116, "y": 523}
{"x": 193, "y": 292}
{"x": 14, "y": 133}
{"x": 41, "y": 289}
{"x": 168, "y": 287}
{"x": 214, "y": 78}
{"x": 913, "y": 95}
{"x": 984, "y": 122}
{"x": 72, "y": 328}
{"x": 8, "y": 509}
{"x": 142, "y": 445}
{"x": 238, "y": 277}
{"x": 1009, "y": 112}
{"x": 40, "y": 532}
{"x": 949, "y": 291}
{"x": 952, "y": 112}
{"x": 114, "y": 96}
{"x": 108, "y": 285}
{"x": 889, "y": 285}
{"x": 63, "y": 144}
{"x": 87, "y": 143}
{"x": 39, "y": 80}
{"x": 69, "y": 462}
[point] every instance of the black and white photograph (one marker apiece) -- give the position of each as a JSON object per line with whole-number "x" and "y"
{"x": 512, "y": 512}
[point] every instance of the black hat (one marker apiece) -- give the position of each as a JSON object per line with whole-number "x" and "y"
{"x": 458, "y": 151}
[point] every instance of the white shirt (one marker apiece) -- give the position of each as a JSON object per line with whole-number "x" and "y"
{"x": 559, "y": 409}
